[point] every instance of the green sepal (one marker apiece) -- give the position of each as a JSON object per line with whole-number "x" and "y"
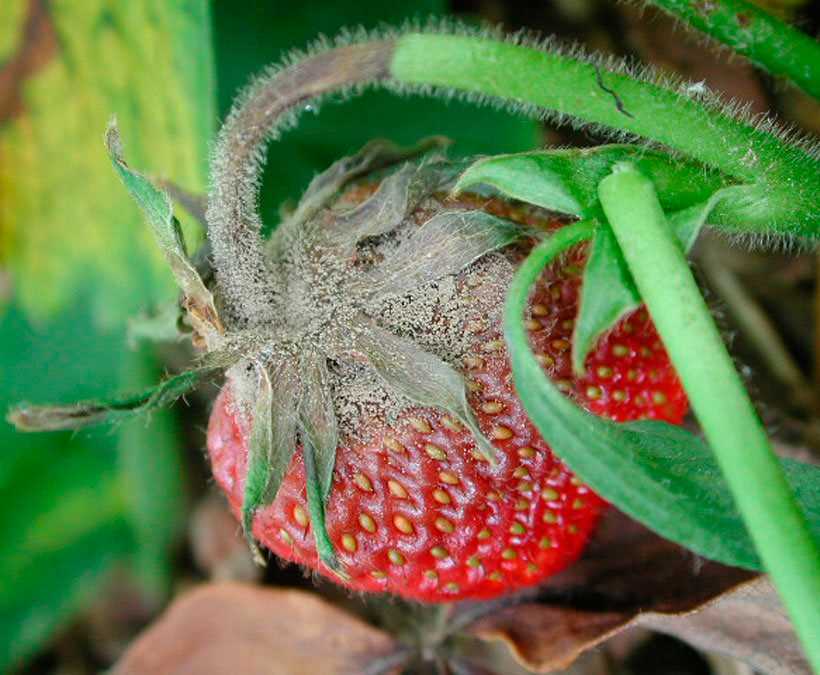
{"x": 319, "y": 437}
{"x": 28, "y": 417}
{"x": 660, "y": 474}
{"x": 607, "y": 294}
{"x": 158, "y": 211}
{"x": 260, "y": 445}
{"x": 318, "y": 418}
{"x": 272, "y": 442}
{"x": 316, "y": 507}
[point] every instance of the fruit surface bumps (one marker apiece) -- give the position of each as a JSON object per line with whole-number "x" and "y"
{"x": 416, "y": 511}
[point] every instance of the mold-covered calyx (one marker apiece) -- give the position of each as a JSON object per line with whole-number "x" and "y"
{"x": 369, "y": 290}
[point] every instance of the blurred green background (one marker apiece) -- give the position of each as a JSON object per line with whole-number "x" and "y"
{"x": 77, "y": 262}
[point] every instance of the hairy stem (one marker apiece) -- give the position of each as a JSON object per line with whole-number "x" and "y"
{"x": 789, "y": 177}
{"x": 764, "y": 39}
{"x": 527, "y": 79}
{"x": 246, "y": 283}
{"x": 728, "y": 418}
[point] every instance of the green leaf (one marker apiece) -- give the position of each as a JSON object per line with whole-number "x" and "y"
{"x": 81, "y": 262}
{"x": 788, "y": 548}
{"x": 567, "y": 180}
{"x": 59, "y": 543}
{"x": 66, "y": 223}
{"x": 659, "y": 474}
{"x": 70, "y": 517}
{"x": 250, "y": 36}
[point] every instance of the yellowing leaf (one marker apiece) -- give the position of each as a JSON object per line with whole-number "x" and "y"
{"x": 65, "y": 223}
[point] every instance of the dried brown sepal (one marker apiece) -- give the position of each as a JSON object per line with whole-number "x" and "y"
{"x": 27, "y": 417}
{"x": 444, "y": 245}
{"x": 375, "y": 155}
{"x": 420, "y": 376}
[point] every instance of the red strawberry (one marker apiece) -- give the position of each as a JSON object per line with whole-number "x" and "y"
{"x": 415, "y": 509}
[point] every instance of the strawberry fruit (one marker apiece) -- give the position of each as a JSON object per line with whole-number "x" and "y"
{"x": 429, "y": 498}
{"x": 368, "y": 427}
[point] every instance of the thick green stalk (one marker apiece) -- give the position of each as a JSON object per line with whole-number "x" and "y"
{"x": 788, "y": 177}
{"x": 764, "y": 39}
{"x": 726, "y": 414}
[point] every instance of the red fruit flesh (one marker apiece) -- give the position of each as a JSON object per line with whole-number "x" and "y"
{"x": 415, "y": 511}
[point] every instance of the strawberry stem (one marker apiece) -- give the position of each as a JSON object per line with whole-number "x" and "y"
{"x": 556, "y": 85}
{"x": 765, "y": 40}
{"x": 726, "y": 413}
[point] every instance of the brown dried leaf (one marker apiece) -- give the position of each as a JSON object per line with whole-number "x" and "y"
{"x": 228, "y": 628}
{"x": 631, "y": 577}
{"x": 748, "y": 623}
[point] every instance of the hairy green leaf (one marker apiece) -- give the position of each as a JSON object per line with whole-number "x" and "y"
{"x": 659, "y": 474}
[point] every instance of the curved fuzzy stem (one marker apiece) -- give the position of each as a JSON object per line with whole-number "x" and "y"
{"x": 607, "y": 95}
{"x": 528, "y": 79}
{"x": 271, "y": 104}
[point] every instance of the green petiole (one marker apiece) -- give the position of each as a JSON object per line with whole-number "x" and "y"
{"x": 764, "y": 39}
{"x": 726, "y": 414}
{"x": 787, "y": 177}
